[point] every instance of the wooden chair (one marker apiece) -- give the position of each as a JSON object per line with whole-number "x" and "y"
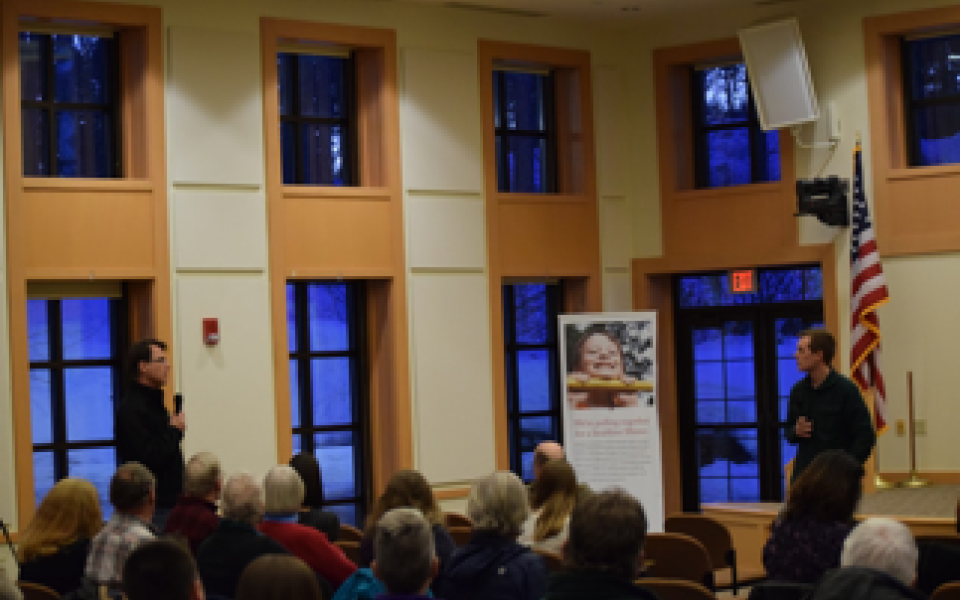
{"x": 35, "y": 591}
{"x": 947, "y": 591}
{"x": 719, "y": 544}
{"x": 351, "y": 549}
{"x": 676, "y": 589}
{"x": 456, "y": 520}
{"x": 460, "y": 535}
{"x": 349, "y": 533}
{"x": 678, "y": 556}
{"x": 553, "y": 560}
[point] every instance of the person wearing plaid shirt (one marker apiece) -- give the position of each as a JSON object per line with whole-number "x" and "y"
{"x": 133, "y": 496}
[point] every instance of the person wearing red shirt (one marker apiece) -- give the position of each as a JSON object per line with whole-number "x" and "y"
{"x": 284, "y": 492}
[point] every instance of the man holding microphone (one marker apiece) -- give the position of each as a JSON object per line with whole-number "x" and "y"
{"x": 145, "y": 431}
{"x": 826, "y": 411}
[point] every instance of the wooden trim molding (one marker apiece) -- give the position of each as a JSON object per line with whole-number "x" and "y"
{"x": 915, "y": 207}
{"x": 541, "y": 235}
{"x": 321, "y": 232}
{"x": 63, "y": 229}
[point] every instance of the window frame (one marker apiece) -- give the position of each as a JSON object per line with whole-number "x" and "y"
{"x": 515, "y": 416}
{"x": 701, "y": 164}
{"x": 60, "y": 445}
{"x": 303, "y": 355}
{"x": 911, "y": 105}
{"x": 51, "y": 107}
{"x": 549, "y": 134}
{"x": 349, "y": 121}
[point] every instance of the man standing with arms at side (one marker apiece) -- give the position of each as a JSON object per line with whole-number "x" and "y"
{"x": 826, "y": 411}
{"x": 145, "y": 431}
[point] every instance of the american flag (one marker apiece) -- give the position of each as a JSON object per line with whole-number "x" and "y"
{"x": 868, "y": 292}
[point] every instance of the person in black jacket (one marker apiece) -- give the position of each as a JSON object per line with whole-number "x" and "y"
{"x": 311, "y": 513}
{"x": 145, "y": 431}
{"x": 826, "y": 411}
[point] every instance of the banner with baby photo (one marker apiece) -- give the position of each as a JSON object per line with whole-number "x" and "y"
{"x": 611, "y": 429}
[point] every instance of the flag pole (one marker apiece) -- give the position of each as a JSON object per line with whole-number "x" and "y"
{"x": 915, "y": 481}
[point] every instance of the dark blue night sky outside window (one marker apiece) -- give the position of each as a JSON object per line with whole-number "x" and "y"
{"x": 774, "y": 285}
{"x": 317, "y": 134}
{"x": 530, "y": 334}
{"x": 731, "y": 149}
{"x": 932, "y": 70}
{"x": 69, "y": 105}
{"x": 523, "y": 119}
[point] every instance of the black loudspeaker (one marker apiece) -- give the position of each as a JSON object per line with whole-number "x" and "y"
{"x": 825, "y": 199}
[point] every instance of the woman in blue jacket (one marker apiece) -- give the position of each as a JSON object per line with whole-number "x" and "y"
{"x": 493, "y": 566}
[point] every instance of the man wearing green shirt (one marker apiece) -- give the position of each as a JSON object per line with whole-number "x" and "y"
{"x": 826, "y": 411}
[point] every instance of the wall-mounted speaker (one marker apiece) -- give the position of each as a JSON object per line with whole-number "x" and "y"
{"x": 779, "y": 74}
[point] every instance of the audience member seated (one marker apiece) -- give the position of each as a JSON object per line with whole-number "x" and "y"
{"x": 195, "y": 514}
{"x": 406, "y": 562}
{"x": 543, "y": 454}
{"x": 310, "y": 512}
{"x": 807, "y": 538}
{"x": 552, "y": 501}
{"x": 284, "y": 495}
{"x": 493, "y": 566}
{"x": 236, "y": 542}
{"x": 879, "y": 562}
{"x": 408, "y": 489}
{"x": 161, "y": 570}
{"x": 275, "y": 577}
{"x": 53, "y": 547}
{"x": 604, "y": 551}
{"x": 134, "y": 497}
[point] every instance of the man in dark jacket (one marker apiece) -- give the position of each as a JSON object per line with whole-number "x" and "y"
{"x": 145, "y": 431}
{"x": 236, "y": 542}
{"x": 603, "y": 552}
{"x": 826, "y": 411}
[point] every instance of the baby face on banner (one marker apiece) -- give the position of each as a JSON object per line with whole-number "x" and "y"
{"x": 599, "y": 380}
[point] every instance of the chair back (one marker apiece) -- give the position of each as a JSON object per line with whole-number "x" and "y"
{"x": 349, "y": 533}
{"x": 553, "y": 560}
{"x": 460, "y": 535}
{"x": 676, "y": 589}
{"x": 351, "y": 549}
{"x": 950, "y": 539}
{"x": 779, "y": 590}
{"x": 35, "y": 591}
{"x": 678, "y": 556}
{"x": 708, "y": 531}
{"x": 456, "y": 520}
{"x": 947, "y": 591}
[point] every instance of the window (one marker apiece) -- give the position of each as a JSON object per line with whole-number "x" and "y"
{"x": 75, "y": 353}
{"x": 735, "y": 372}
{"x": 932, "y": 82}
{"x": 317, "y": 131}
{"x": 731, "y": 149}
{"x": 328, "y": 389}
{"x": 69, "y": 102}
{"x": 533, "y": 399}
{"x": 524, "y": 123}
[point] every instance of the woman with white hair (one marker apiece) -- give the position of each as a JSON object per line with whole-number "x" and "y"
{"x": 284, "y": 492}
{"x": 493, "y": 566}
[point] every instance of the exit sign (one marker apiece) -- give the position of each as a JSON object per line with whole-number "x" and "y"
{"x": 743, "y": 282}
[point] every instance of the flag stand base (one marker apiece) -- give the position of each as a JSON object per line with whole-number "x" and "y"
{"x": 882, "y": 484}
{"x": 915, "y": 481}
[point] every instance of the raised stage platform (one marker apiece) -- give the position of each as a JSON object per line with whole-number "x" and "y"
{"x": 927, "y": 511}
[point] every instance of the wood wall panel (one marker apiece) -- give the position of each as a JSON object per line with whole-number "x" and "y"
{"x": 88, "y": 230}
{"x": 338, "y": 234}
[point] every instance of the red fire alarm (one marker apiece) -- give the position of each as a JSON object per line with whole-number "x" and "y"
{"x": 211, "y": 332}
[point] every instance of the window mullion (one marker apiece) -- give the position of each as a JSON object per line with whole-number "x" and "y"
{"x": 58, "y": 410}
